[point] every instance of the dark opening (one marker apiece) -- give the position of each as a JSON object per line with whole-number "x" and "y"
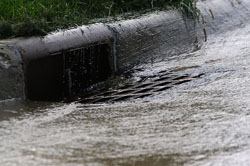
{"x": 44, "y": 79}
{"x": 66, "y": 74}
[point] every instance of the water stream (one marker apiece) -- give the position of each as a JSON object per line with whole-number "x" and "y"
{"x": 204, "y": 122}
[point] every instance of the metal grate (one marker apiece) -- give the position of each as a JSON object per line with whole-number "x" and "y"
{"x": 84, "y": 67}
{"x": 147, "y": 87}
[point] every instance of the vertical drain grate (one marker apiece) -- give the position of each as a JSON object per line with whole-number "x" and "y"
{"x": 148, "y": 87}
{"x": 84, "y": 67}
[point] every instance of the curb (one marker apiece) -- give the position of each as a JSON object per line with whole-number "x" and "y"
{"x": 63, "y": 64}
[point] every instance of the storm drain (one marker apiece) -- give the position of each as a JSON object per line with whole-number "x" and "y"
{"x": 145, "y": 87}
{"x": 84, "y": 67}
{"x": 67, "y": 73}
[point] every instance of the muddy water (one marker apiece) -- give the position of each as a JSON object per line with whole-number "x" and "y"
{"x": 203, "y": 122}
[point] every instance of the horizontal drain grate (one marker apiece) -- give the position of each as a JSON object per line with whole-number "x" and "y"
{"x": 140, "y": 89}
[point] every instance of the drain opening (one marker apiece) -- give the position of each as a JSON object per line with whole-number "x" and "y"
{"x": 121, "y": 98}
{"x": 44, "y": 79}
{"x": 84, "y": 67}
{"x": 105, "y": 99}
{"x": 182, "y": 81}
{"x": 144, "y": 90}
{"x": 140, "y": 89}
{"x": 67, "y": 73}
{"x": 125, "y": 91}
{"x": 180, "y": 77}
{"x": 143, "y": 95}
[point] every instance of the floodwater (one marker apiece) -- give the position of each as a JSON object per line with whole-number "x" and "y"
{"x": 204, "y": 122}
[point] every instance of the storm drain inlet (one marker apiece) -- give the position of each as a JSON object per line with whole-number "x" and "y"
{"x": 148, "y": 87}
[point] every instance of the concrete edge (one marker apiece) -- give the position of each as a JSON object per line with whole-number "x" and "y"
{"x": 148, "y": 39}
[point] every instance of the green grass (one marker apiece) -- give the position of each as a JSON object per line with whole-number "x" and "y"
{"x": 38, "y": 17}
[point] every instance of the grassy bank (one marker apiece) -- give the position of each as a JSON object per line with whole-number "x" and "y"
{"x": 38, "y": 17}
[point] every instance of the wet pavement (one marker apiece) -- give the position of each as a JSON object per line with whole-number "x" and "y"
{"x": 205, "y": 121}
